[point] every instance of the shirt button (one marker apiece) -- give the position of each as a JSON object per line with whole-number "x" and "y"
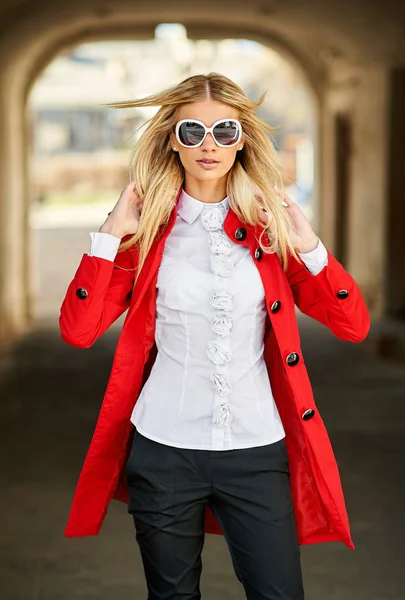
{"x": 258, "y": 254}
{"x": 342, "y": 294}
{"x": 308, "y": 414}
{"x": 240, "y": 234}
{"x": 292, "y": 359}
{"x": 275, "y": 307}
{"x": 82, "y": 293}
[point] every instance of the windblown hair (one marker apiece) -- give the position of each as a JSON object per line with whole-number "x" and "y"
{"x": 158, "y": 173}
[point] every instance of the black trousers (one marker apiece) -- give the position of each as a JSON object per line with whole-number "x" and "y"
{"x": 249, "y": 492}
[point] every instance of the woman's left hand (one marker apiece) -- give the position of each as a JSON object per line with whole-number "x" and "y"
{"x": 301, "y": 233}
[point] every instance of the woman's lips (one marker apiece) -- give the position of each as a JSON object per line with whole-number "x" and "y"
{"x": 206, "y": 163}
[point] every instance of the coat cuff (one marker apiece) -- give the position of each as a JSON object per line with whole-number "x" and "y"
{"x": 104, "y": 245}
{"x": 316, "y": 259}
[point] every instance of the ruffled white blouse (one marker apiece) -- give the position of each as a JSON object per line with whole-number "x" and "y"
{"x": 209, "y": 387}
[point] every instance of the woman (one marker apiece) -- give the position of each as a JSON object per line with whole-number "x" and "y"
{"x": 209, "y": 255}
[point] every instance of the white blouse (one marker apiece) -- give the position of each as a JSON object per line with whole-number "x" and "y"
{"x": 209, "y": 387}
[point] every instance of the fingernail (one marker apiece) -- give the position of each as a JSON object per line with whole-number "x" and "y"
{"x": 284, "y": 203}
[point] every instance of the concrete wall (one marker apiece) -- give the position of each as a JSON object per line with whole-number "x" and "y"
{"x": 394, "y": 267}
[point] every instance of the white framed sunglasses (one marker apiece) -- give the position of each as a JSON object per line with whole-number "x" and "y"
{"x": 191, "y": 133}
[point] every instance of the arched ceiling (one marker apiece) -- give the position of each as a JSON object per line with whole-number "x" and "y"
{"x": 315, "y": 32}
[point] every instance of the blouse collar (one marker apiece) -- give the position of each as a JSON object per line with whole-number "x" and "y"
{"x": 189, "y": 208}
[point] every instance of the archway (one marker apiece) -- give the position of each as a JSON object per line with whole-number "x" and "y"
{"x": 31, "y": 283}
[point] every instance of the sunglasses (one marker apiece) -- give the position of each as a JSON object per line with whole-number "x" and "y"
{"x": 191, "y": 133}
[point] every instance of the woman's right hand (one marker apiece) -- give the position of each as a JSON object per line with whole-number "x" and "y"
{"x": 124, "y": 217}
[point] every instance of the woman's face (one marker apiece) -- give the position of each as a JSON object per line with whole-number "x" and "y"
{"x": 192, "y": 159}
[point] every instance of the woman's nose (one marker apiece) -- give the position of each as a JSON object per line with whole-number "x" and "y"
{"x": 209, "y": 142}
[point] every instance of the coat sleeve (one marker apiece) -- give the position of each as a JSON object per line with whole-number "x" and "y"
{"x": 332, "y": 297}
{"x": 98, "y": 294}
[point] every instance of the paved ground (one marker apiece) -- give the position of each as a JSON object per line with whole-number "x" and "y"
{"x": 50, "y": 394}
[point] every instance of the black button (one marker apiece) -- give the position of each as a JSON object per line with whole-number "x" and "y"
{"x": 292, "y": 359}
{"x": 82, "y": 293}
{"x": 240, "y": 234}
{"x": 308, "y": 414}
{"x": 342, "y": 294}
{"x": 258, "y": 254}
{"x": 275, "y": 307}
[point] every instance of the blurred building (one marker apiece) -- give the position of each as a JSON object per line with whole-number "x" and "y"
{"x": 79, "y": 144}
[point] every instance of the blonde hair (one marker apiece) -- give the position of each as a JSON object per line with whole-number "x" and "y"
{"x": 158, "y": 173}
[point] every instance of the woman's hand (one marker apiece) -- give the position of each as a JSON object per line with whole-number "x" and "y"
{"x": 124, "y": 217}
{"x": 301, "y": 233}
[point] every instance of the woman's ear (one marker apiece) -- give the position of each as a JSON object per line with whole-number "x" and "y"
{"x": 173, "y": 142}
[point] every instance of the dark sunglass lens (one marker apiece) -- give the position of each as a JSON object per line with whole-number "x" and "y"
{"x": 226, "y": 133}
{"x": 191, "y": 133}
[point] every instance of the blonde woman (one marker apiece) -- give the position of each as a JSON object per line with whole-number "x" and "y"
{"x": 208, "y": 423}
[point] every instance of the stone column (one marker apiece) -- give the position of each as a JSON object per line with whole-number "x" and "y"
{"x": 360, "y": 93}
{"x": 14, "y": 248}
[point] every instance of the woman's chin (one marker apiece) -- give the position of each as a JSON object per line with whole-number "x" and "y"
{"x": 209, "y": 175}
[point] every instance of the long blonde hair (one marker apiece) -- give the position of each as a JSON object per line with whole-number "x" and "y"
{"x": 158, "y": 173}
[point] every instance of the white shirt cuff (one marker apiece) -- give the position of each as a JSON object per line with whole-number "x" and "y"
{"x": 104, "y": 245}
{"x": 315, "y": 260}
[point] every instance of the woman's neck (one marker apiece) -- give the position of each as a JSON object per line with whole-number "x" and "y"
{"x": 206, "y": 191}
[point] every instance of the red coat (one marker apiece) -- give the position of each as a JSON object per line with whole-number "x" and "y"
{"x": 100, "y": 292}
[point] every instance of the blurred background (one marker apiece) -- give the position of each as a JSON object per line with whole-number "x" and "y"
{"x": 335, "y": 80}
{"x": 79, "y": 150}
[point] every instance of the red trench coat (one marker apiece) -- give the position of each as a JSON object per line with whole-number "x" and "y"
{"x": 100, "y": 292}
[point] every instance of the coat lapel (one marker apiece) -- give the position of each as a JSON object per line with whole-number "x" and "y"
{"x": 152, "y": 261}
{"x": 269, "y": 266}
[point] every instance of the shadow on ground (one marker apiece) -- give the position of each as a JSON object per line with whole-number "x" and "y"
{"x": 50, "y": 395}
